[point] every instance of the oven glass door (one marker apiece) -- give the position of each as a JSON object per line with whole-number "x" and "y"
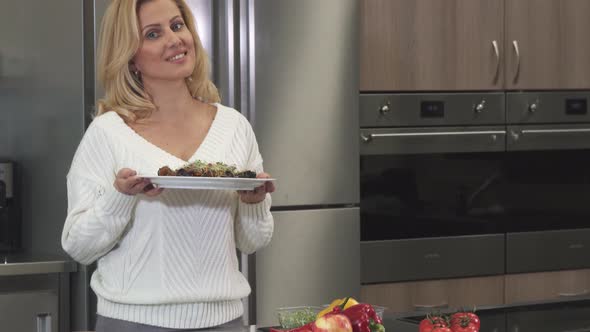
{"x": 435, "y": 195}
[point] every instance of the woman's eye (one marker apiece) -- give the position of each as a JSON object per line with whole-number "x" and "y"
{"x": 152, "y": 35}
{"x": 177, "y": 26}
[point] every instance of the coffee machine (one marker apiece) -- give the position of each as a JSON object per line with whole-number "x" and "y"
{"x": 10, "y": 217}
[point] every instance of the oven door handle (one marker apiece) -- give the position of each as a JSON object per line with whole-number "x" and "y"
{"x": 368, "y": 138}
{"x": 430, "y": 307}
{"x": 556, "y": 131}
{"x": 582, "y": 293}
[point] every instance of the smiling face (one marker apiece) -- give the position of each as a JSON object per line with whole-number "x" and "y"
{"x": 167, "y": 51}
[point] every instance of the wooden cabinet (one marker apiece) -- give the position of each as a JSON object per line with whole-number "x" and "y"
{"x": 431, "y": 45}
{"x": 436, "y": 294}
{"x": 462, "y": 45}
{"x": 547, "y": 44}
{"x": 547, "y": 285}
{"x": 431, "y": 295}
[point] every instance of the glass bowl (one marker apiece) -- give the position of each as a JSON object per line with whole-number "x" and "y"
{"x": 379, "y": 310}
{"x": 293, "y": 317}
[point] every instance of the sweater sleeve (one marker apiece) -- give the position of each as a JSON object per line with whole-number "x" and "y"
{"x": 254, "y": 222}
{"x": 97, "y": 213}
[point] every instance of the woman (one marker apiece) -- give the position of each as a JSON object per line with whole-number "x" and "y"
{"x": 166, "y": 259}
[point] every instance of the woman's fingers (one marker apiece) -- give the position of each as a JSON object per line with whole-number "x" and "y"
{"x": 125, "y": 173}
{"x": 269, "y": 187}
{"x": 260, "y": 190}
{"x": 152, "y": 191}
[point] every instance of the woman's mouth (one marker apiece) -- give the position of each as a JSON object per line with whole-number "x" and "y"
{"x": 176, "y": 57}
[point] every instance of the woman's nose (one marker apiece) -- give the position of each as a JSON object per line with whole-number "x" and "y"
{"x": 173, "y": 39}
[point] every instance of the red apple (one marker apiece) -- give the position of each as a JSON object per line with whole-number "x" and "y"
{"x": 332, "y": 323}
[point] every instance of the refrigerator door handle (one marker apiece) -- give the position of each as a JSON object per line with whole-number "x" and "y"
{"x": 229, "y": 14}
{"x": 247, "y": 59}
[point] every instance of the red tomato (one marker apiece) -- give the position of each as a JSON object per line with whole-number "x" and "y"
{"x": 460, "y": 321}
{"x": 442, "y": 329}
{"x": 429, "y": 323}
{"x": 458, "y": 328}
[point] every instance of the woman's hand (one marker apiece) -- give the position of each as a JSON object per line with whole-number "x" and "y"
{"x": 259, "y": 193}
{"x": 127, "y": 182}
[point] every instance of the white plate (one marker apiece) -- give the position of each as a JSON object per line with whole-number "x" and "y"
{"x": 198, "y": 182}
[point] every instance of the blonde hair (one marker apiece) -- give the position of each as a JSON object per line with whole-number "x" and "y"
{"x": 118, "y": 43}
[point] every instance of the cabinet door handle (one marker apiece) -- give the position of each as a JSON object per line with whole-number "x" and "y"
{"x": 44, "y": 322}
{"x": 517, "y": 52}
{"x": 497, "y": 54}
{"x": 428, "y": 307}
{"x": 582, "y": 293}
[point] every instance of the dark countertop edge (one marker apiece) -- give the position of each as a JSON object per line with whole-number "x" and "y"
{"x": 37, "y": 267}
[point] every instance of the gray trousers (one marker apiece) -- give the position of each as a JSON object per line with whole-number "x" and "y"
{"x": 106, "y": 324}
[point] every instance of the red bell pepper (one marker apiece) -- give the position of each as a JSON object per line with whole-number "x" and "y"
{"x": 362, "y": 317}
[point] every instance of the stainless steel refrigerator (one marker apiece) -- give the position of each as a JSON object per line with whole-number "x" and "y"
{"x": 291, "y": 66}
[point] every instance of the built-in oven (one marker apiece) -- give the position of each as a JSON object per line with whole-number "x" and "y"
{"x": 473, "y": 184}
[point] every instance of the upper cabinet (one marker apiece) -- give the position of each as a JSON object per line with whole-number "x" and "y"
{"x": 547, "y": 44}
{"x": 467, "y": 45}
{"x": 431, "y": 45}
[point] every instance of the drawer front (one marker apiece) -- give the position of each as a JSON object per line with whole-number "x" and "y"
{"x": 417, "y": 110}
{"x": 547, "y": 250}
{"x": 547, "y": 286}
{"x": 431, "y": 258}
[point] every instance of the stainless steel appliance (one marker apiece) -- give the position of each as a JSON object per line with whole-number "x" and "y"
{"x": 498, "y": 179}
{"x": 41, "y": 124}
{"x": 288, "y": 67}
{"x": 10, "y": 223}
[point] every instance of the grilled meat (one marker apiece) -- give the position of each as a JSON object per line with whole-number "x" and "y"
{"x": 200, "y": 168}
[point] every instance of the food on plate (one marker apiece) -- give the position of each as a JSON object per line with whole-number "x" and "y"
{"x": 201, "y": 168}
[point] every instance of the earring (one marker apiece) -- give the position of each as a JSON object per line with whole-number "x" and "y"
{"x": 190, "y": 79}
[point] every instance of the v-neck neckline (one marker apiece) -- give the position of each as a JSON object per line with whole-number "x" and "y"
{"x": 163, "y": 151}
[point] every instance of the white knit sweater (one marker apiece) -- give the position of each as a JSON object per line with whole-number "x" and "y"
{"x": 169, "y": 260}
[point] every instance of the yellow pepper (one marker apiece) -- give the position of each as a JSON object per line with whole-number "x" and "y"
{"x": 338, "y": 302}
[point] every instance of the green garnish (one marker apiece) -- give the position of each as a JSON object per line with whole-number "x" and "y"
{"x": 294, "y": 319}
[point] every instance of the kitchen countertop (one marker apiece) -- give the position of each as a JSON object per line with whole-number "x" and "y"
{"x": 25, "y": 263}
{"x": 542, "y": 316}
